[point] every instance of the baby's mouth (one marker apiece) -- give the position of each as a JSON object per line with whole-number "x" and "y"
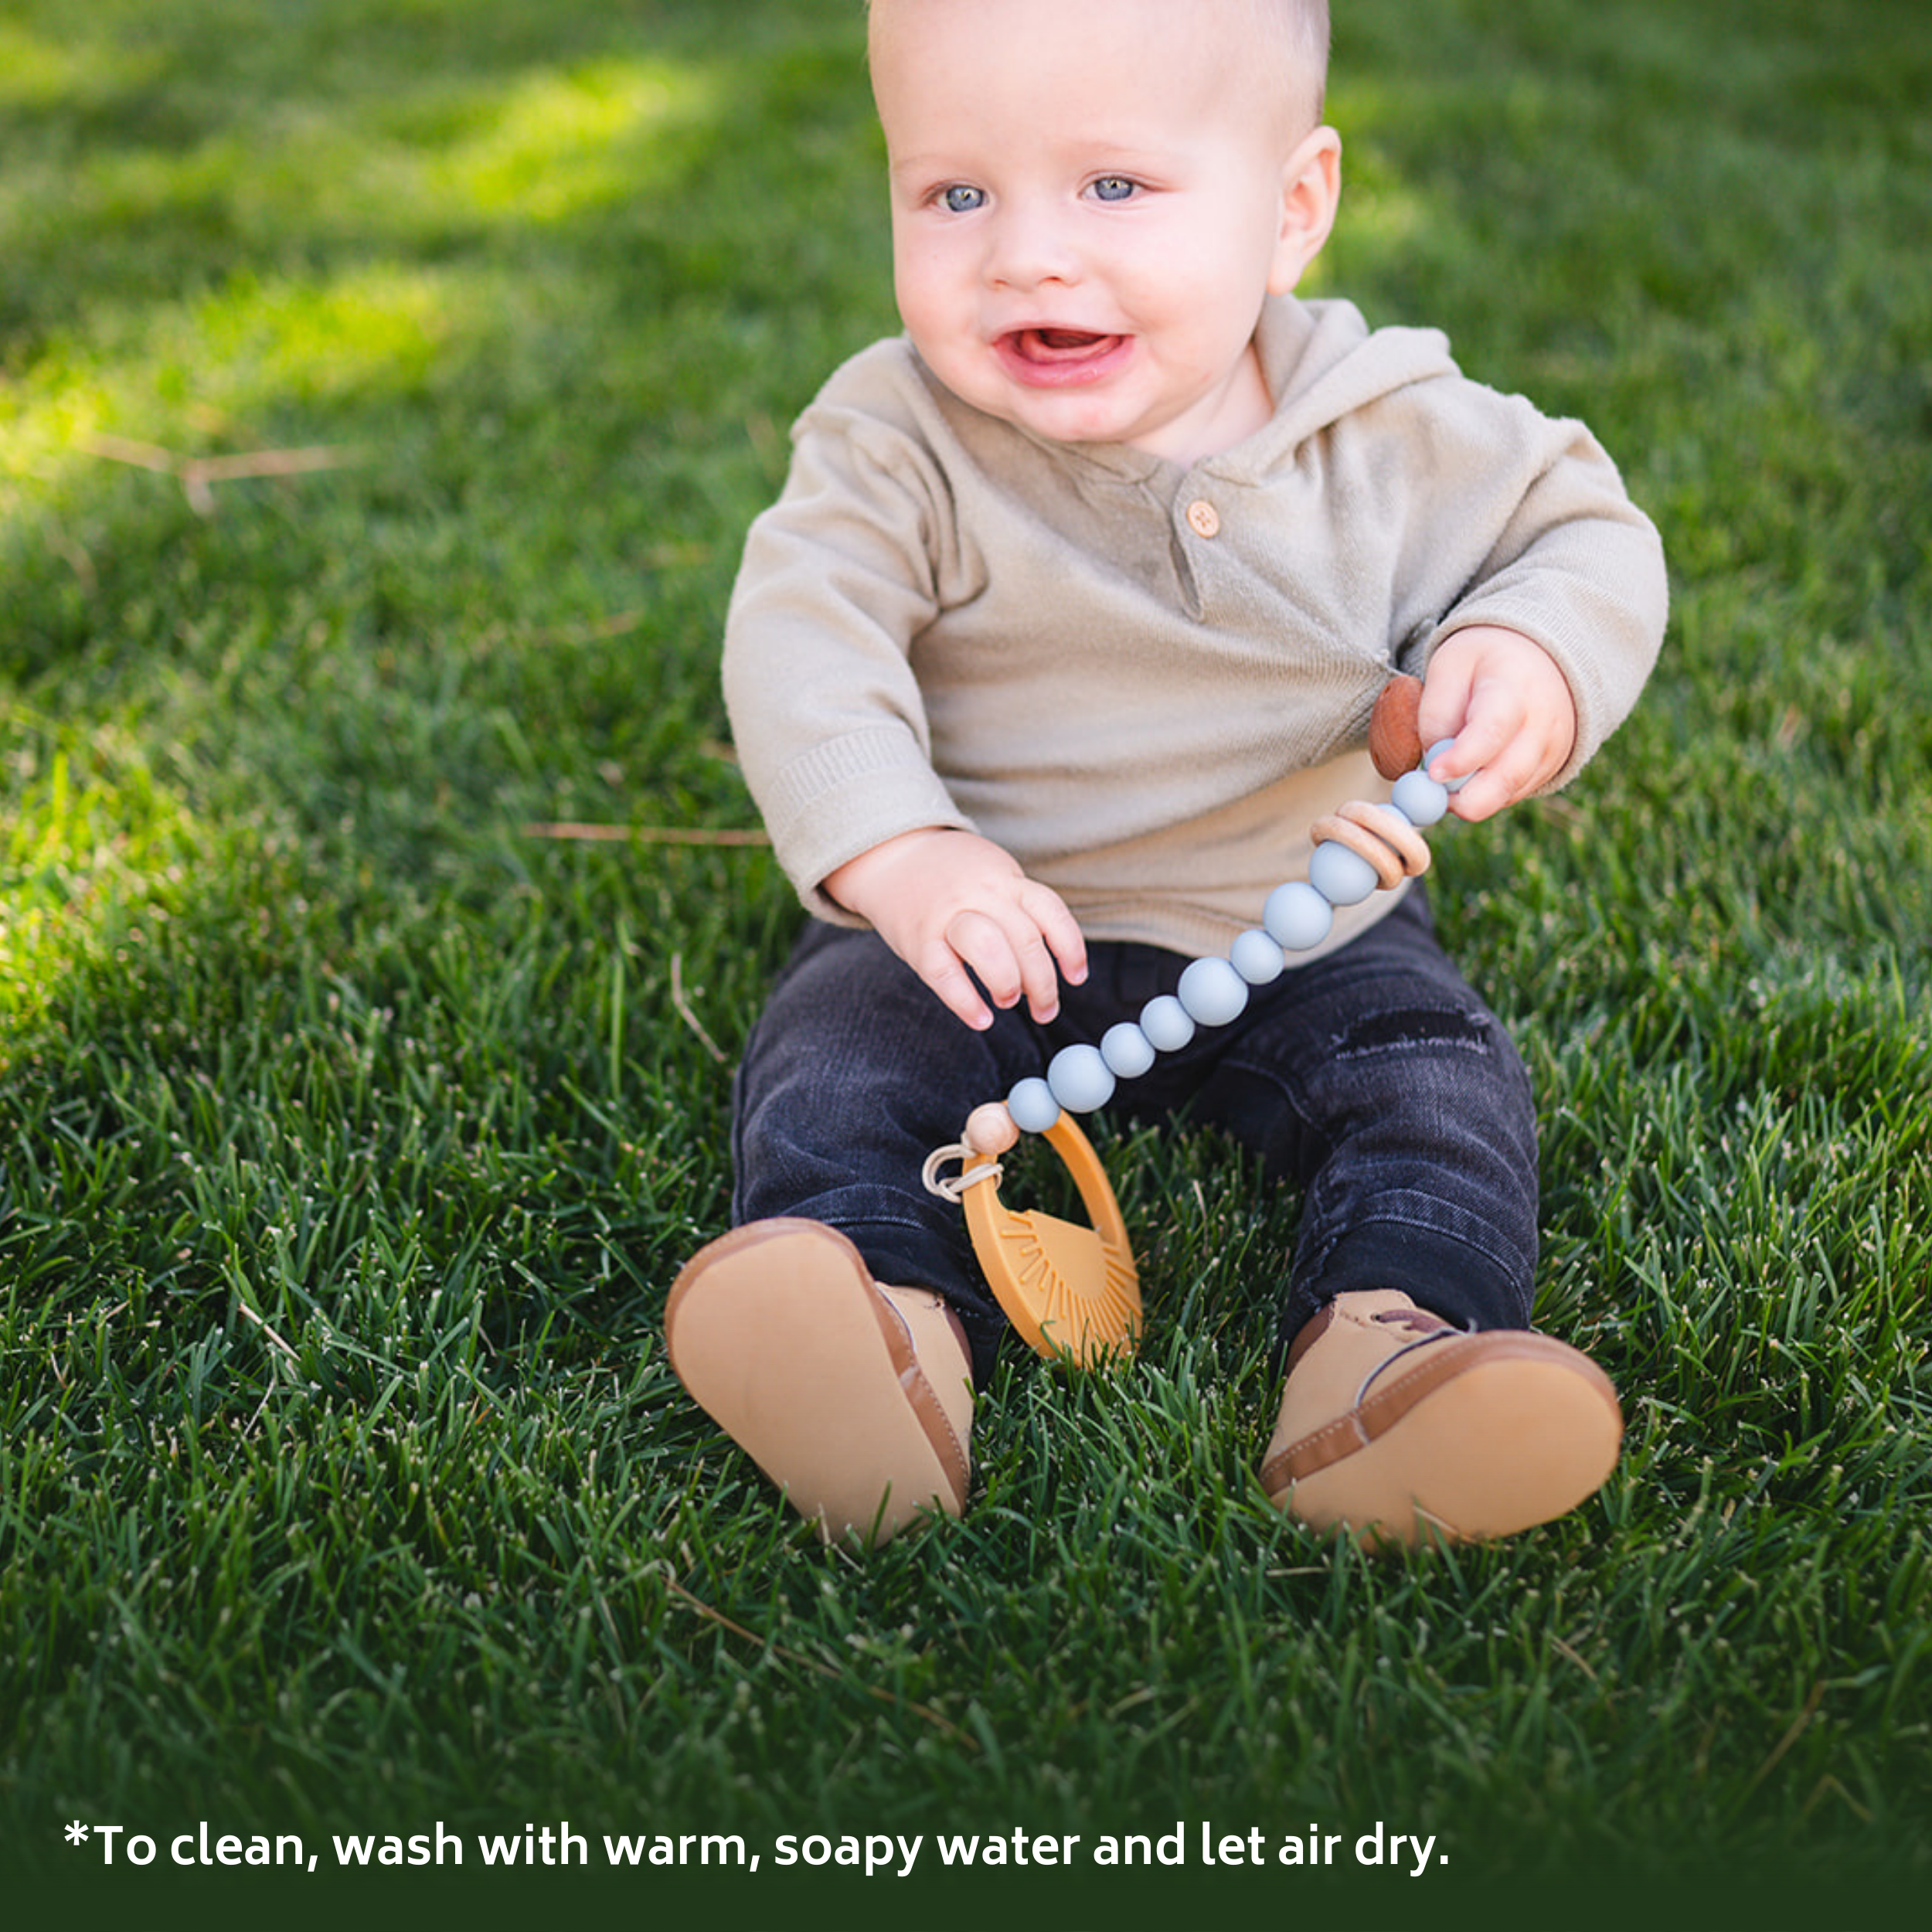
{"x": 1059, "y": 345}
{"x": 1043, "y": 358}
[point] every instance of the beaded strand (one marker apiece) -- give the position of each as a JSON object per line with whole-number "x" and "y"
{"x": 1359, "y": 849}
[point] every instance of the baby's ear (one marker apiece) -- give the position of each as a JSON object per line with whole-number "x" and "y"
{"x": 1311, "y": 187}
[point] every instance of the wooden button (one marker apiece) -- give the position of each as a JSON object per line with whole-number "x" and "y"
{"x": 1203, "y": 518}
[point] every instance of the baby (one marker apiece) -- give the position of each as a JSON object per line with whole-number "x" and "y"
{"x": 1066, "y": 628}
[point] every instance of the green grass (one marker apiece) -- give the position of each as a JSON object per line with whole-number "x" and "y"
{"x": 351, "y": 1135}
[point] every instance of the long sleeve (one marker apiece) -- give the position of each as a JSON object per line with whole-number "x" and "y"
{"x": 1566, "y": 559}
{"x": 839, "y": 577}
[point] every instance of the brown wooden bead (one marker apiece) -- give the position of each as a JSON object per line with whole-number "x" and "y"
{"x": 1395, "y": 740}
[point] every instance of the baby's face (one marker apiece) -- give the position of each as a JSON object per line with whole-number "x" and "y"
{"x": 1089, "y": 206}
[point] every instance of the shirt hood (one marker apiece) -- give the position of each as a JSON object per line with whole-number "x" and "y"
{"x": 1322, "y": 362}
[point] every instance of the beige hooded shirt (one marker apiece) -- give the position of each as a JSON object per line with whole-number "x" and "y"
{"x": 1146, "y": 682}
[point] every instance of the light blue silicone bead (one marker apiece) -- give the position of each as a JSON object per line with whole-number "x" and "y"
{"x": 1342, "y": 877}
{"x": 1256, "y": 957}
{"x": 1126, "y": 1050}
{"x": 1212, "y": 992}
{"x": 1167, "y": 1023}
{"x": 1297, "y": 916}
{"x": 1032, "y": 1106}
{"x": 1434, "y": 752}
{"x": 1420, "y": 798}
{"x": 1080, "y": 1079}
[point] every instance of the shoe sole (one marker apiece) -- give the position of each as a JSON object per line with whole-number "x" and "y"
{"x": 780, "y": 1337}
{"x": 1497, "y": 1433}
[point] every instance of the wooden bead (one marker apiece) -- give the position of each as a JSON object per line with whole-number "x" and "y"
{"x": 1395, "y": 741}
{"x": 990, "y": 1130}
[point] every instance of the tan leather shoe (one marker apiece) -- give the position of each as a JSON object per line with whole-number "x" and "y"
{"x": 1400, "y": 1425}
{"x": 854, "y": 1398}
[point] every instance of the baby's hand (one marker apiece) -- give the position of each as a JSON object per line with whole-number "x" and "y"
{"x": 946, "y": 900}
{"x": 1499, "y": 695}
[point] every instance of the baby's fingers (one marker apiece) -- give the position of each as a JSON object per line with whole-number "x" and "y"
{"x": 1060, "y": 931}
{"x": 1011, "y": 960}
{"x": 941, "y": 967}
{"x": 1484, "y": 757}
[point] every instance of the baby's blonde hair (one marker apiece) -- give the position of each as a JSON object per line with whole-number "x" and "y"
{"x": 1301, "y": 28}
{"x": 1298, "y": 31}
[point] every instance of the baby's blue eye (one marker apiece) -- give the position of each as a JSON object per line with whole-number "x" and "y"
{"x": 1113, "y": 188}
{"x": 962, "y": 200}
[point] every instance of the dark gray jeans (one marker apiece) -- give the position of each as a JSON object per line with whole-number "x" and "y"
{"x": 1374, "y": 1079}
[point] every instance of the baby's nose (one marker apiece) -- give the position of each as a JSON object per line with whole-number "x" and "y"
{"x": 1029, "y": 246}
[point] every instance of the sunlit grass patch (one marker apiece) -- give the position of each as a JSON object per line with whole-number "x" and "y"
{"x": 95, "y": 852}
{"x": 451, "y": 157}
{"x": 221, "y": 369}
{"x": 49, "y": 71}
{"x": 562, "y": 142}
